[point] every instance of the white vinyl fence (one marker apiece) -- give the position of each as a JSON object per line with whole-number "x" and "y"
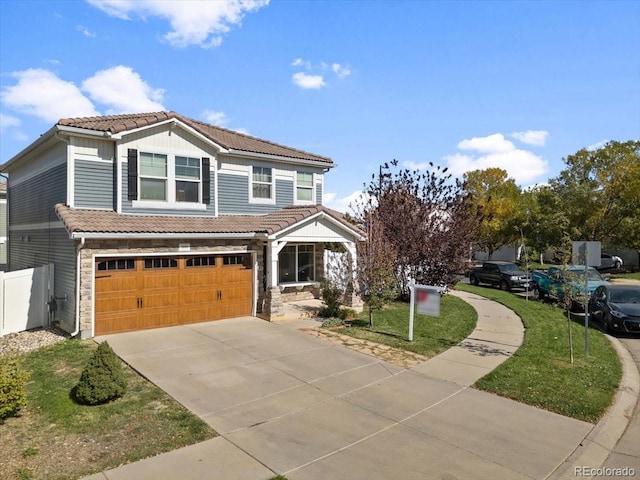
{"x": 23, "y": 298}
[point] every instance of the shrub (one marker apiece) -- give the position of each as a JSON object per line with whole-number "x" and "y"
{"x": 102, "y": 379}
{"x": 331, "y": 297}
{"x": 332, "y": 322}
{"x": 12, "y": 392}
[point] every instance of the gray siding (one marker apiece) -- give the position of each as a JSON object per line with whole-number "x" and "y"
{"x": 3, "y": 219}
{"x": 318, "y": 193}
{"x": 94, "y": 185}
{"x": 284, "y": 193}
{"x": 233, "y": 196}
{"x": 128, "y": 208}
{"x": 33, "y": 200}
{"x": 45, "y": 246}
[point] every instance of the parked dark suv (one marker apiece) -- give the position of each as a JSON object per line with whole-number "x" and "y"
{"x": 505, "y": 275}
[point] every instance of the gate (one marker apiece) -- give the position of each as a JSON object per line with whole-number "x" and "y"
{"x": 23, "y": 298}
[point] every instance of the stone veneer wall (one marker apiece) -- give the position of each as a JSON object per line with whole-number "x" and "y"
{"x": 160, "y": 246}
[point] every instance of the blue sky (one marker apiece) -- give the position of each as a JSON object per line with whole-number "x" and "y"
{"x": 468, "y": 85}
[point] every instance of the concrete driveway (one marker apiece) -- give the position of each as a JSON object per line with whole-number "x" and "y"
{"x": 285, "y": 402}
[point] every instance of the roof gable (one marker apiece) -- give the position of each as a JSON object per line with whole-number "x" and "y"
{"x": 228, "y": 139}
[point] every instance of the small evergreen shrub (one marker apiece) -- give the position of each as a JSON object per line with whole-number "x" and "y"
{"x": 332, "y": 322}
{"x": 12, "y": 392}
{"x": 102, "y": 379}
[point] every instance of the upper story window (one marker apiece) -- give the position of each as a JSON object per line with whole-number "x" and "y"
{"x": 153, "y": 176}
{"x": 158, "y": 180}
{"x": 262, "y": 188}
{"x": 304, "y": 187}
{"x": 187, "y": 179}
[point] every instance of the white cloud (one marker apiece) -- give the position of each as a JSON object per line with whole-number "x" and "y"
{"x": 42, "y": 94}
{"x": 340, "y": 70}
{"x": 494, "y": 151}
{"x": 201, "y": 22}
{"x": 343, "y": 204}
{"x": 299, "y": 62}
{"x": 85, "y": 31}
{"x": 312, "y": 80}
{"x": 491, "y": 143}
{"x": 7, "y": 121}
{"x": 536, "y": 138}
{"x": 306, "y": 81}
{"x": 597, "y": 145}
{"x": 411, "y": 165}
{"x": 123, "y": 90}
{"x": 215, "y": 118}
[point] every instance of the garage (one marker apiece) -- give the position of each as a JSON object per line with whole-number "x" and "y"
{"x": 136, "y": 293}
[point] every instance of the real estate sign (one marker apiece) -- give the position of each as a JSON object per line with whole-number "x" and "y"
{"x": 427, "y": 299}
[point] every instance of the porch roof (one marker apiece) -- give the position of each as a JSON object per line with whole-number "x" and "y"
{"x": 109, "y": 224}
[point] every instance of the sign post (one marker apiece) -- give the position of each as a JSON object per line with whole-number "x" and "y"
{"x": 587, "y": 254}
{"x": 427, "y": 299}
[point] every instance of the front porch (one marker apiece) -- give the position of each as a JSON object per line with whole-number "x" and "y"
{"x": 294, "y": 264}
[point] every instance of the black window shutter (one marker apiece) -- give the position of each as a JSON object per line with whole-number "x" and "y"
{"x": 206, "y": 181}
{"x": 132, "y": 161}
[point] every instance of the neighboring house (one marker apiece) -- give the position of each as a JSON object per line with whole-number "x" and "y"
{"x": 3, "y": 226}
{"x": 157, "y": 219}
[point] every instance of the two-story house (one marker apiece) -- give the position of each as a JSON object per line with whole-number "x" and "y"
{"x": 3, "y": 226}
{"x": 156, "y": 219}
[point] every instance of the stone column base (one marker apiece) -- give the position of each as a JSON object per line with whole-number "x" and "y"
{"x": 273, "y": 306}
{"x": 352, "y": 300}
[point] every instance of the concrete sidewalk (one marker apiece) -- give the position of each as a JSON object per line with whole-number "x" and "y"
{"x": 285, "y": 402}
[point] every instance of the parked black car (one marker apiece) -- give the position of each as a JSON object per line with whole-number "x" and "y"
{"x": 505, "y": 275}
{"x": 617, "y": 307}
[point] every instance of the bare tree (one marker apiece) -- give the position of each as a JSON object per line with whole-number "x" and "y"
{"x": 376, "y": 281}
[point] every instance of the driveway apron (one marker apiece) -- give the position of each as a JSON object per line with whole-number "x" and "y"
{"x": 285, "y": 402}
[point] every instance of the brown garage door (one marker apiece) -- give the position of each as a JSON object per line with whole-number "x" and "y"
{"x": 140, "y": 293}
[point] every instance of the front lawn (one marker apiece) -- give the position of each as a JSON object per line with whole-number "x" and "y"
{"x": 626, "y": 276}
{"x": 540, "y": 372}
{"x": 56, "y": 438}
{"x": 431, "y": 335}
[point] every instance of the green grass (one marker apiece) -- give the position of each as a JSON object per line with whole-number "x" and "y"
{"x": 144, "y": 422}
{"x": 540, "y": 372}
{"x": 431, "y": 335}
{"x": 634, "y": 275}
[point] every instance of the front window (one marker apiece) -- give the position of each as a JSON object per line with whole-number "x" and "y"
{"x": 187, "y": 179}
{"x": 153, "y": 176}
{"x": 304, "y": 187}
{"x": 262, "y": 183}
{"x": 296, "y": 264}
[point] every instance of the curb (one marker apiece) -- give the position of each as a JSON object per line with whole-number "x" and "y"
{"x": 603, "y": 437}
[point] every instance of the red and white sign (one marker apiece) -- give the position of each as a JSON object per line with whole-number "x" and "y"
{"x": 427, "y": 300}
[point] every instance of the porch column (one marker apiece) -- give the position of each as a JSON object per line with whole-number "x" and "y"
{"x": 273, "y": 300}
{"x": 351, "y": 297}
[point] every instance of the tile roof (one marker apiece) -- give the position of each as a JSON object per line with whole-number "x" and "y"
{"x": 228, "y": 139}
{"x": 108, "y": 222}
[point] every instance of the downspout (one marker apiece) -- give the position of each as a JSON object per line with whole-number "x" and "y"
{"x": 77, "y": 315}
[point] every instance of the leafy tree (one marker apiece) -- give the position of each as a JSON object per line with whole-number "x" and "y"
{"x": 600, "y": 193}
{"x": 426, "y": 217}
{"x": 545, "y": 220}
{"x": 497, "y": 198}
